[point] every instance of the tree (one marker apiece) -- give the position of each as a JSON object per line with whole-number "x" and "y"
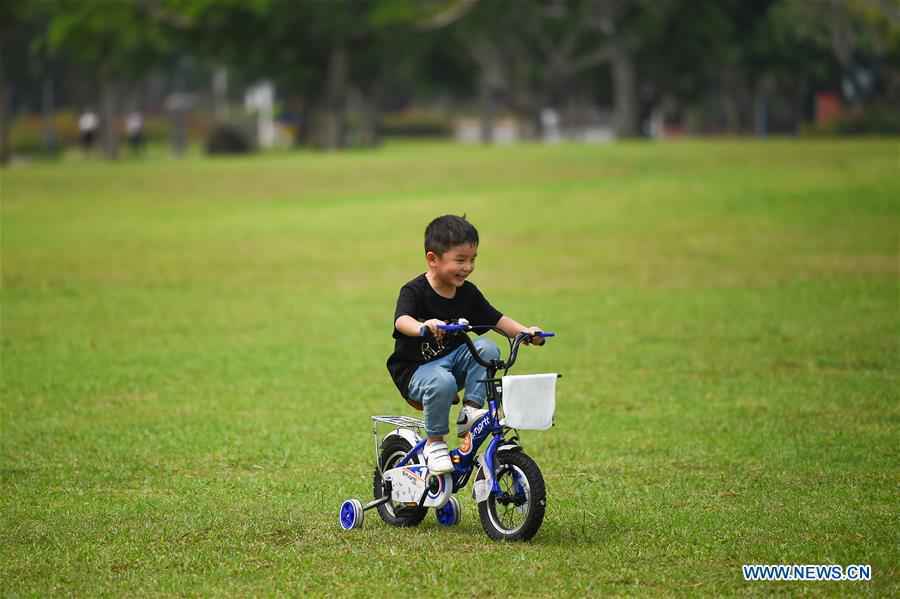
{"x": 860, "y": 34}
{"x": 21, "y": 23}
{"x": 325, "y": 54}
{"x": 534, "y": 50}
{"x": 119, "y": 39}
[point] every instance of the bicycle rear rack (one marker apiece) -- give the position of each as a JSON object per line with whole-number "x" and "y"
{"x": 407, "y": 422}
{"x": 401, "y": 421}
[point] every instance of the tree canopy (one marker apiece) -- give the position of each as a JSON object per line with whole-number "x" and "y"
{"x": 520, "y": 56}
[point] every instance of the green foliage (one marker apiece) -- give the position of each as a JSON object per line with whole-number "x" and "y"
{"x": 290, "y": 42}
{"x": 417, "y": 124}
{"x": 22, "y": 27}
{"x": 388, "y": 13}
{"x": 27, "y": 133}
{"x": 704, "y": 36}
{"x": 868, "y": 24}
{"x": 228, "y": 139}
{"x": 115, "y": 37}
{"x": 192, "y": 350}
{"x": 877, "y": 119}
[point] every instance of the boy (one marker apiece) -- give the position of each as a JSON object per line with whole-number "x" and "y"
{"x": 429, "y": 371}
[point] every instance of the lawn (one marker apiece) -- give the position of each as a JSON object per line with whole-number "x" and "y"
{"x": 191, "y": 351}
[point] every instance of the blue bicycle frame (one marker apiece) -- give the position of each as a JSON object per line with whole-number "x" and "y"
{"x": 463, "y": 457}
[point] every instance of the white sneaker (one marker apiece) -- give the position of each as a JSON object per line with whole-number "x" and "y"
{"x": 437, "y": 458}
{"x": 468, "y": 415}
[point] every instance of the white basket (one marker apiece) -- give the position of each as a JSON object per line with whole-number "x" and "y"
{"x": 529, "y": 401}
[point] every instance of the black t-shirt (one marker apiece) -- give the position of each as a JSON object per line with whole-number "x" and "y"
{"x": 419, "y": 300}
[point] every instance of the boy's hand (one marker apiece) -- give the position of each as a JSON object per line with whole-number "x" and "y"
{"x": 534, "y": 340}
{"x": 432, "y": 325}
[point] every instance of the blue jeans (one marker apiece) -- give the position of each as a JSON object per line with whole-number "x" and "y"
{"x": 435, "y": 384}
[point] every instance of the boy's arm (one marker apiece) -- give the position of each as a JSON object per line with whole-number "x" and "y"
{"x": 409, "y": 326}
{"x": 513, "y": 328}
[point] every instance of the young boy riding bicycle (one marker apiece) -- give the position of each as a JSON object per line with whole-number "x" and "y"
{"x": 430, "y": 367}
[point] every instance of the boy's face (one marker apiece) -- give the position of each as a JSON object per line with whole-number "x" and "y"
{"x": 454, "y": 265}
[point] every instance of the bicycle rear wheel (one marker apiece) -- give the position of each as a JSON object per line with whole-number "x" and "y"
{"x": 393, "y": 448}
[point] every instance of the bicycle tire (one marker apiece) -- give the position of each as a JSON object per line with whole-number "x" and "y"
{"x": 392, "y": 449}
{"x": 517, "y": 514}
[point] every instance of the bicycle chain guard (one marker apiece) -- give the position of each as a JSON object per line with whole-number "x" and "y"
{"x": 413, "y": 485}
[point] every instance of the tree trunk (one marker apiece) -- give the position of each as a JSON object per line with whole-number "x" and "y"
{"x": 333, "y": 126}
{"x": 491, "y": 79}
{"x": 842, "y": 38}
{"x": 537, "y": 124}
{"x": 108, "y": 92}
{"x": 48, "y": 111}
{"x": 488, "y": 105}
{"x": 5, "y": 117}
{"x": 525, "y": 98}
{"x": 761, "y": 114}
{"x": 302, "y": 132}
{"x": 799, "y": 108}
{"x": 732, "y": 88}
{"x": 624, "y": 79}
{"x": 732, "y": 113}
{"x": 370, "y": 117}
{"x": 179, "y": 131}
{"x": 220, "y": 93}
{"x": 765, "y": 89}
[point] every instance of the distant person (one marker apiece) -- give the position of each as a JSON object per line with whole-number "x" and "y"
{"x": 134, "y": 130}
{"x": 550, "y": 125}
{"x": 87, "y": 129}
{"x": 429, "y": 367}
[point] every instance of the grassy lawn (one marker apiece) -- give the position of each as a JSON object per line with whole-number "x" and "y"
{"x": 192, "y": 351}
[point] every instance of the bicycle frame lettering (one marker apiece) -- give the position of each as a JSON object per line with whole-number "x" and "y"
{"x": 488, "y": 426}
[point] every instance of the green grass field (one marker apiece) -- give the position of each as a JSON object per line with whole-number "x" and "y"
{"x": 192, "y": 351}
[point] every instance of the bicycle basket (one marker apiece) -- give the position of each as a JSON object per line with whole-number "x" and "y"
{"x": 529, "y": 401}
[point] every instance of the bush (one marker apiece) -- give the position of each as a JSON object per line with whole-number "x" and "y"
{"x": 228, "y": 139}
{"x": 873, "y": 120}
{"x": 879, "y": 120}
{"x": 416, "y": 124}
{"x": 27, "y": 134}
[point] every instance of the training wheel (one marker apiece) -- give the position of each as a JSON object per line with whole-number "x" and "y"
{"x": 450, "y": 514}
{"x": 352, "y": 514}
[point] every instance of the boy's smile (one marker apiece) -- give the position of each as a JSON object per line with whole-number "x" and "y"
{"x": 451, "y": 269}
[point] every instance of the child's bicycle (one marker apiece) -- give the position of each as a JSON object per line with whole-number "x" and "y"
{"x": 508, "y": 487}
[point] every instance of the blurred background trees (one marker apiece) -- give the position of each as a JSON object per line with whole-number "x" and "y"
{"x": 344, "y": 73}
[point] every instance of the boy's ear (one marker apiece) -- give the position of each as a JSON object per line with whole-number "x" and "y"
{"x": 431, "y": 257}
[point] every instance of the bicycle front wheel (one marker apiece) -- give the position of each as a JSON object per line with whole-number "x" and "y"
{"x": 517, "y": 512}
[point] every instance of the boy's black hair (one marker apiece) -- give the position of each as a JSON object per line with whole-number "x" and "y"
{"x": 449, "y": 231}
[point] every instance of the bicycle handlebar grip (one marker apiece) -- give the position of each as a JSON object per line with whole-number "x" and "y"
{"x": 452, "y": 328}
{"x": 545, "y": 334}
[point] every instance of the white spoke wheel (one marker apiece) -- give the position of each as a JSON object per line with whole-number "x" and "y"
{"x": 517, "y": 512}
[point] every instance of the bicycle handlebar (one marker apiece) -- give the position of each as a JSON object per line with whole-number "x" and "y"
{"x": 499, "y": 364}
{"x": 453, "y": 328}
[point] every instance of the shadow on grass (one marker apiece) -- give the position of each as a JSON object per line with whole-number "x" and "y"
{"x": 584, "y": 528}
{"x": 587, "y": 529}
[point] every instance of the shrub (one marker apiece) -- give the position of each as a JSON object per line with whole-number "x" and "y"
{"x": 228, "y": 139}
{"x": 873, "y": 120}
{"x": 416, "y": 124}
